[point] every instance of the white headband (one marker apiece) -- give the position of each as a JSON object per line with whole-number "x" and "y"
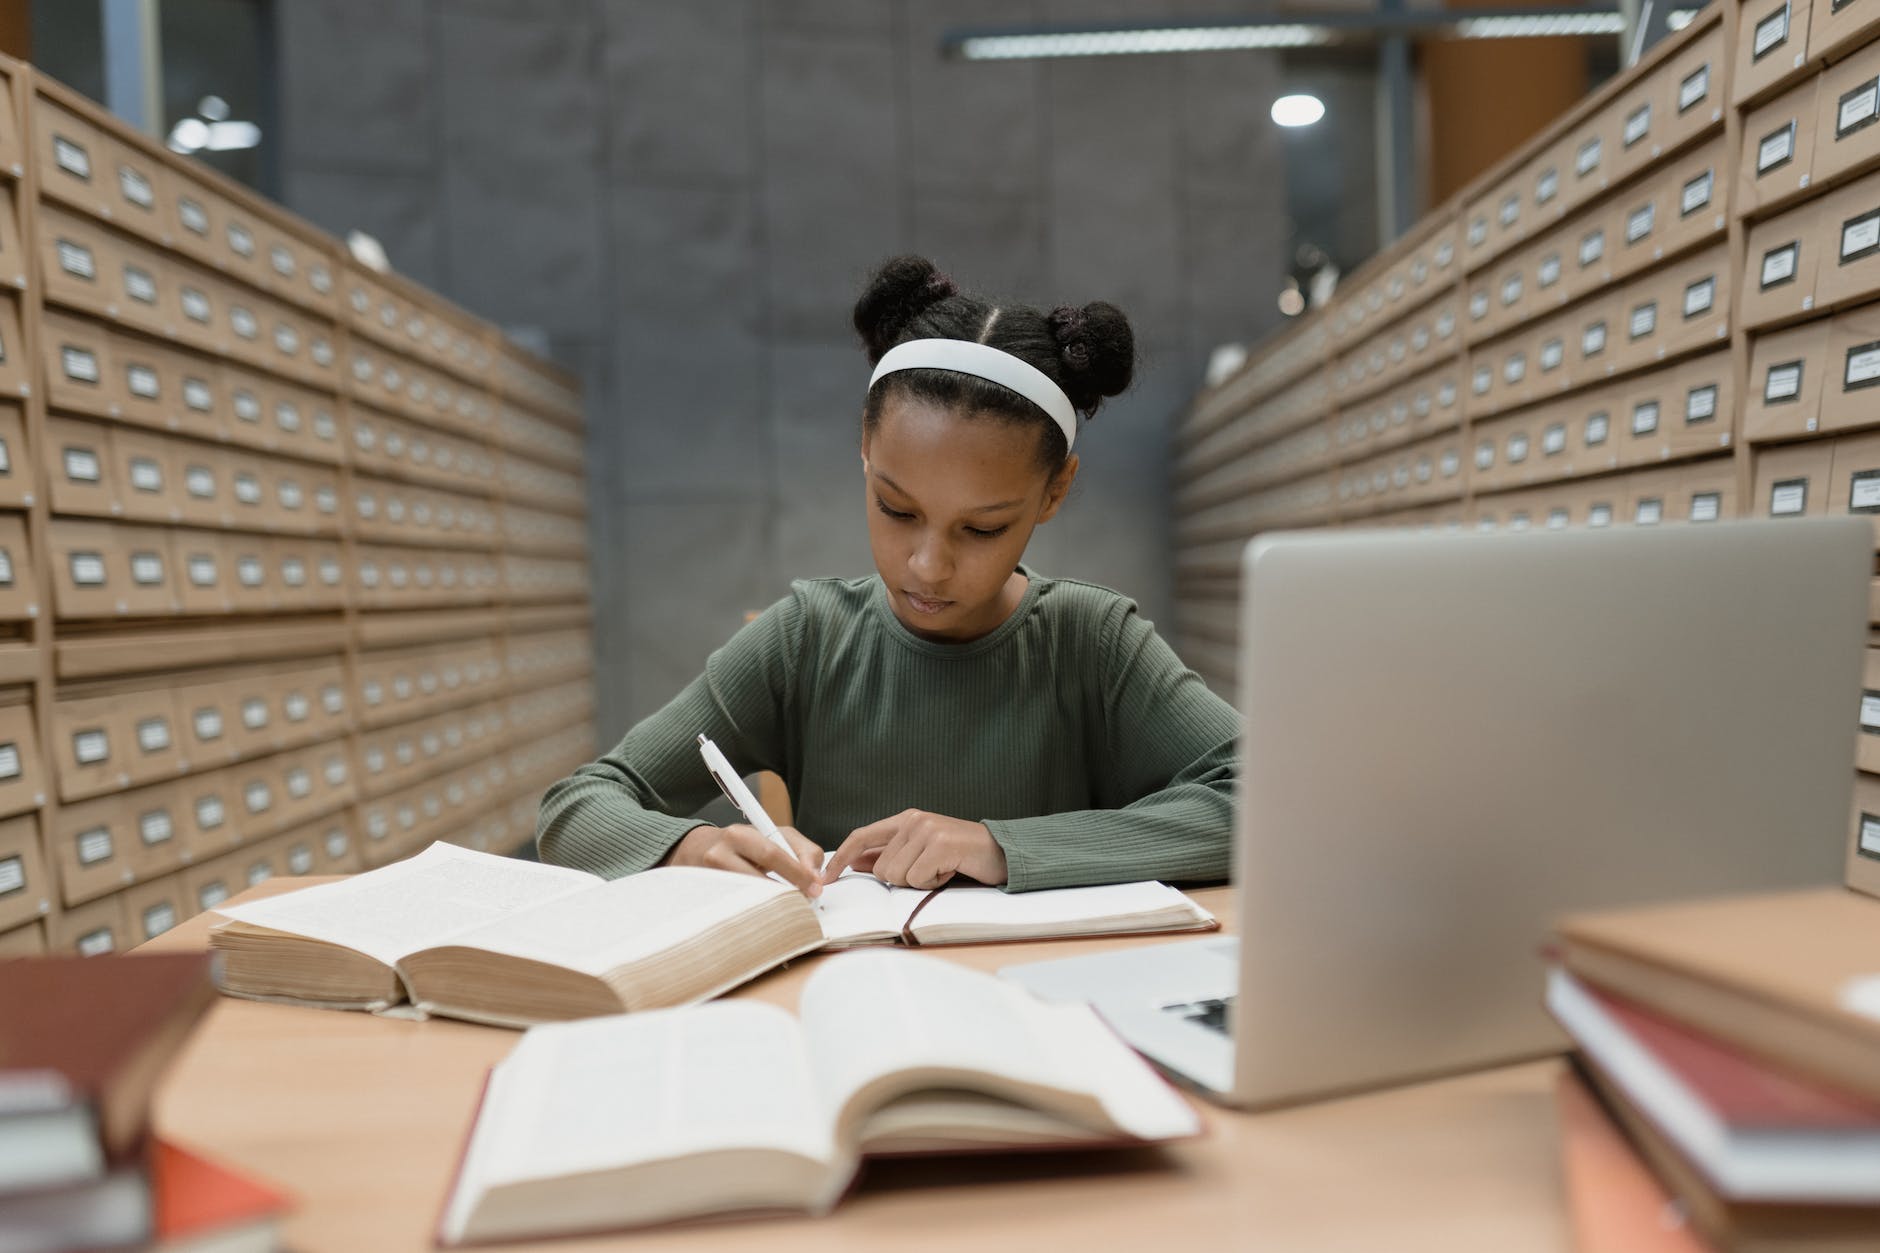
{"x": 963, "y": 356}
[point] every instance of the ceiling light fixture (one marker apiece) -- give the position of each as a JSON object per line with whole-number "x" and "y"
{"x": 1298, "y": 110}
{"x": 1147, "y": 40}
{"x": 1540, "y": 25}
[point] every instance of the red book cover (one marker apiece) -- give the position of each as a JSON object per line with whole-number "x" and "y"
{"x": 1744, "y": 1092}
{"x": 196, "y": 1196}
{"x": 1617, "y": 1204}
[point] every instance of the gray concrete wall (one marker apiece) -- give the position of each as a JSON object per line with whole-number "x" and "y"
{"x": 685, "y": 195}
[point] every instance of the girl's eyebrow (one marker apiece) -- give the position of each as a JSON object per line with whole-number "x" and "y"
{"x": 1004, "y": 504}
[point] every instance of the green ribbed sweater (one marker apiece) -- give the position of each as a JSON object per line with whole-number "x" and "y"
{"x": 1071, "y": 730}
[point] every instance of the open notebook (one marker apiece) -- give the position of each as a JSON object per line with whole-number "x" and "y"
{"x": 649, "y": 1118}
{"x": 496, "y": 940}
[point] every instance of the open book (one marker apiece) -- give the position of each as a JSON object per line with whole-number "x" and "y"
{"x": 650, "y": 1118}
{"x": 507, "y": 942}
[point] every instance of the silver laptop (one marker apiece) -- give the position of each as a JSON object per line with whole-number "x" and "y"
{"x": 1452, "y": 740}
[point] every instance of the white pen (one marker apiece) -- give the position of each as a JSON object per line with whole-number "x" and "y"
{"x": 732, "y": 786}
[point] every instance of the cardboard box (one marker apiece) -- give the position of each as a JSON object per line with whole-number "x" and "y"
{"x": 149, "y": 485}
{"x": 211, "y": 883}
{"x": 16, "y": 468}
{"x": 73, "y": 157}
{"x": 1690, "y": 89}
{"x": 1783, "y": 254}
{"x": 142, "y": 288}
{"x": 1837, "y": 28}
{"x": 1589, "y": 152}
{"x": 1793, "y": 480}
{"x": 26, "y": 890}
{"x": 251, "y": 561}
{"x": 77, "y": 256}
{"x": 156, "y": 820}
{"x": 204, "y": 412}
{"x": 1786, "y": 378}
{"x": 94, "y": 929}
{"x": 150, "y": 384}
{"x": 1772, "y": 46}
{"x": 152, "y": 908}
{"x": 93, "y": 844}
{"x": 208, "y": 712}
{"x": 1855, "y": 486}
{"x": 15, "y": 367}
{"x": 1697, "y": 303}
{"x": 1706, "y": 491}
{"x": 1849, "y": 224}
{"x": 1863, "y": 844}
{"x": 22, "y": 775}
{"x": 1847, "y": 115}
{"x": 1851, "y": 370}
{"x": 210, "y": 814}
{"x": 202, "y": 324}
{"x": 205, "y": 497}
{"x": 79, "y": 373}
{"x": 81, "y": 471}
{"x": 1777, "y": 161}
{"x": 150, "y": 583}
{"x": 204, "y": 574}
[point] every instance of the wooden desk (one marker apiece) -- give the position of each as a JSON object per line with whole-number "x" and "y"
{"x": 363, "y": 1118}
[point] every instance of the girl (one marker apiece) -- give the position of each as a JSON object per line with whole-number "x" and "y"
{"x": 956, "y": 713}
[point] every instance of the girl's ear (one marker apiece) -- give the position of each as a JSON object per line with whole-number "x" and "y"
{"x": 1058, "y": 488}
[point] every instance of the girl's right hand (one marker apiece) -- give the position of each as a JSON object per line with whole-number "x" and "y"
{"x": 742, "y": 848}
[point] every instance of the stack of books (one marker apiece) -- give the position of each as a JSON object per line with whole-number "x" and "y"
{"x": 83, "y": 1043}
{"x": 1730, "y": 1057}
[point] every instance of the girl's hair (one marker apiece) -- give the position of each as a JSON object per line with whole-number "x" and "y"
{"x": 1089, "y": 352}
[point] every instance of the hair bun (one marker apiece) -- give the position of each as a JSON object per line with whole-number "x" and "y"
{"x": 1096, "y": 351}
{"x": 900, "y": 291}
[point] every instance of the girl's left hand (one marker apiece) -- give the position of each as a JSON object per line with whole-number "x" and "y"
{"x": 917, "y": 849}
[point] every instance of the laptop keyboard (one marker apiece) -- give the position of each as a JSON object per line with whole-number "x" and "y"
{"x": 1210, "y": 1013}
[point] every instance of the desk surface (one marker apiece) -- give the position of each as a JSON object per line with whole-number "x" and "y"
{"x": 362, "y": 1118}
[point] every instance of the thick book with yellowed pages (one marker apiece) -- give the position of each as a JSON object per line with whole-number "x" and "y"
{"x": 512, "y": 943}
{"x": 739, "y": 1106}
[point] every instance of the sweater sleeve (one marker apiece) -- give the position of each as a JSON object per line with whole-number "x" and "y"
{"x": 625, "y": 811}
{"x": 1166, "y": 769}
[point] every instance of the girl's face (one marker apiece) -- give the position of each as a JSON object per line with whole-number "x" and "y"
{"x": 952, "y": 502}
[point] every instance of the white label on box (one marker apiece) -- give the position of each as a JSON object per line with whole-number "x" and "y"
{"x": 6, "y": 568}
{"x": 1478, "y": 306}
{"x": 388, "y": 315}
{"x": 146, "y": 475}
{"x": 1695, "y": 87}
{"x": 282, "y": 260}
{"x": 1518, "y": 522}
{"x": 1515, "y": 368}
{"x": 1700, "y": 404}
{"x": 1864, "y": 496}
{"x": 320, "y": 278}
{"x": 326, "y": 500}
{"x": 139, "y": 285}
{"x": 1547, "y": 186}
{"x": 1706, "y": 506}
{"x": 1485, "y": 455}
{"x": 1419, "y": 343}
{"x": 208, "y": 724}
{"x": 369, "y": 573}
{"x": 1478, "y": 232}
{"x": 199, "y": 481}
{"x": 6, "y": 458}
{"x": 258, "y": 796}
{"x": 12, "y": 875}
{"x": 290, "y": 495}
{"x": 249, "y": 570}
{"x": 299, "y": 859}
{"x": 1484, "y": 379}
{"x": 1599, "y": 515}
{"x": 248, "y": 489}
{"x": 198, "y": 395}
{"x": 1592, "y": 247}
{"x": 158, "y": 918}
{"x": 1445, "y": 326}
{"x": 1775, "y": 149}
{"x": 335, "y": 771}
{"x": 287, "y": 416}
{"x": 1788, "y": 497}
{"x": 366, "y": 505}
{"x": 1638, "y": 124}
{"x": 1549, "y": 271}
{"x": 254, "y": 713}
{"x": 153, "y": 734}
{"x": 1553, "y": 352}
{"x": 1778, "y": 264}
{"x": 1771, "y": 31}
{"x": 1645, "y": 418}
{"x": 330, "y": 572}
{"x": 142, "y": 381}
{"x": 399, "y": 576}
{"x": 87, "y": 569}
{"x": 407, "y": 817}
{"x": 1863, "y": 366}
{"x": 1697, "y": 193}
{"x": 1554, "y": 439}
{"x": 209, "y": 895}
{"x": 81, "y": 465}
{"x": 1510, "y": 210}
{"x": 374, "y": 692}
{"x": 299, "y": 783}
{"x": 155, "y": 827}
{"x": 94, "y": 846}
{"x": 293, "y": 572}
{"x": 1450, "y": 464}
{"x": 332, "y": 699}
{"x": 286, "y": 339}
{"x": 241, "y": 240}
{"x": 337, "y": 845}
{"x": 194, "y": 217}
{"x": 322, "y": 351}
{"x": 1587, "y": 159}
{"x": 242, "y": 321}
{"x": 1857, "y": 106}
{"x": 195, "y": 306}
{"x": 258, "y": 872}
{"x": 1644, "y": 320}
{"x": 1517, "y": 449}
{"x": 76, "y": 259}
{"x": 1639, "y": 224}
{"x": 80, "y": 364}
{"x": 1593, "y": 340}
{"x": 402, "y": 686}
{"x": 297, "y": 707}
{"x": 1784, "y": 382}
{"x": 96, "y": 943}
{"x": 9, "y": 761}
{"x": 247, "y": 408}
{"x": 146, "y": 569}
{"x": 1511, "y": 288}
{"x": 1445, "y": 253}
{"x": 201, "y": 569}
{"x": 1650, "y": 512}
{"x": 1870, "y": 710}
{"x": 72, "y": 158}
{"x": 1699, "y": 297}
{"x": 1860, "y": 236}
{"x": 377, "y": 825}
{"x": 1598, "y": 426}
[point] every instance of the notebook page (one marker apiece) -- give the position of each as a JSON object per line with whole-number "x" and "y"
{"x": 411, "y": 904}
{"x": 625, "y": 920}
{"x": 867, "y": 1015}
{"x": 858, "y": 905}
{"x": 610, "y": 1092}
{"x": 1053, "y": 909}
